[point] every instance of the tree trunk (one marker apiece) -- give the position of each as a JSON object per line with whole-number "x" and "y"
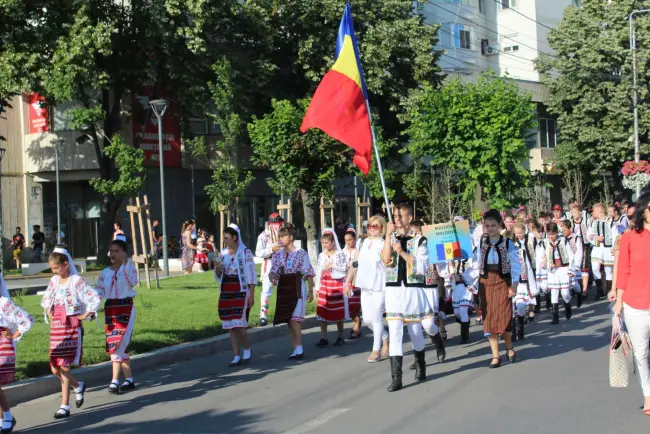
{"x": 110, "y": 208}
{"x": 310, "y": 227}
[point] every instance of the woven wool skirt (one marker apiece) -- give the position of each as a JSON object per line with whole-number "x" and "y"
{"x": 496, "y": 306}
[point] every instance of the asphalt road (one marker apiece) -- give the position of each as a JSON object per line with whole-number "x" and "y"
{"x": 559, "y": 384}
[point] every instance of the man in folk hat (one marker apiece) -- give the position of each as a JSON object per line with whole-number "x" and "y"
{"x": 267, "y": 245}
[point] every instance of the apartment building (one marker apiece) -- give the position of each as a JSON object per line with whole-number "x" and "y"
{"x": 506, "y": 36}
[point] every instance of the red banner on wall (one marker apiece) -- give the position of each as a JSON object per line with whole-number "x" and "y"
{"x": 38, "y": 114}
{"x": 147, "y": 135}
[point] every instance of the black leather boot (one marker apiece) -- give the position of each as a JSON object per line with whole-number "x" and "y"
{"x": 599, "y": 289}
{"x": 513, "y": 330}
{"x": 464, "y": 332}
{"x": 396, "y": 373}
{"x": 556, "y": 314}
{"x": 567, "y": 310}
{"x": 538, "y": 306}
{"x": 607, "y": 286}
{"x": 548, "y": 300}
{"x": 579, "y": 301}
{"x": 440, "y": 347}
{"x": 420, "y": 366}
{"x": 520, "y": 330}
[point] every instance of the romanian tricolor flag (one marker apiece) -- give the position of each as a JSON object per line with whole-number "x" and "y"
{"x": 449, "y": 251}
{"x": 338, "y": 106}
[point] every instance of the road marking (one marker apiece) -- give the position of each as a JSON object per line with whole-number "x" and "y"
{"x": 317, "y": 421}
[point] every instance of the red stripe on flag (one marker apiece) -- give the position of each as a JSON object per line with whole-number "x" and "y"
{"x": 458, "y": 253}
{"x": 338, "y": 108}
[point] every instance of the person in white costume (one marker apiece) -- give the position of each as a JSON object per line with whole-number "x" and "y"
{"x": 602, "y": 235}
{"x": 267, "y": 245}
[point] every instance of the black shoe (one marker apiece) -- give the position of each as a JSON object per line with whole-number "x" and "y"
{"x": 513, "y": 330}
{"x": 440, "y": 348}
{"x": 520, "y": 330}
{"x": 11, "y": 429}
{"x": 396, "y": 373}
{"x": 548, "y": 301}
{"x": 61, "y": 413}
{"x": 80, "y": 402}
{"x": 497, "y": 364}
{"x": 296, "y": 356}
{"x": 323, "y": 343}
{"x": 538, "y": 306}
{"x": 513, "y": 358}
{"x": 568, "y": 312}
{"x": 599, "y": 289}
{"x": 339, "y": 341}
{"x": 233, "y": 364}
{"x": 127, "y": 386}
{"x": 420, "y": 366}
{"x": 263, "y": 322}
{"x": 464, "y": 332}
{"x": 354, "y": 335}
{"x": 556, "y": 314}
{"x": 579, "y": 299}
{"x": 114, "y": 389}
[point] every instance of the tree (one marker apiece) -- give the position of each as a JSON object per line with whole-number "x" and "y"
{"x": 576, "y": 185}
{"x": 590, "y": 86}
{"x": 442, "y": 199}
{"x": 477, "y": 130}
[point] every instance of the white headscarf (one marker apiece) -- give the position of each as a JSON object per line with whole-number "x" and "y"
{"x": 71, "y": 267}
{"x": 336, "y": 240}
{"x": 458, "y": 219}
{"x": 242, "y": 247}
{"x": 4, "y": 291}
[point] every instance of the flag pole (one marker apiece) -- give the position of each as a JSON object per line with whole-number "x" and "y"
{"x": 381, "y": 170}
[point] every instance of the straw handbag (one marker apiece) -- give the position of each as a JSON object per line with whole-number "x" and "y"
{"x": 620, "y": 356}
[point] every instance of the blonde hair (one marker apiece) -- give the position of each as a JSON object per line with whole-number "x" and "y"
{"x": 380, "y": 221}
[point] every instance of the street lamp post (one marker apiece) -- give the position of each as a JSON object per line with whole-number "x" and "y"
{"x": 58, "y": 145}
{"x": 635, "y": 90}
{"x": 2, "y": 154}
{"x": 159, "y": 106}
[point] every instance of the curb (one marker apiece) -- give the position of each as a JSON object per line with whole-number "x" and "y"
{"x": 27, "y": 390}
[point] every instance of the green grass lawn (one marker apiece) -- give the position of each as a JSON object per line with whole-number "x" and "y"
{"x": 184, "y": 309}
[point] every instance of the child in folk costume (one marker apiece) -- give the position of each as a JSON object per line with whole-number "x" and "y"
{"x": 559, "y": 259}
{"x": 332, "y": 302}
{"x": 541, "y": 269}
{"x": 353, "y": 293}
{"x": 236, "y": 272}
{"x": 496, "y": 272}
{"x": 580, "y": 227}
{"x": 14, "y": 323}
{"x": 368, "y": 275}
{"x": 267, "y": 245}
{"x": 527, "y": 288}
{"x": 602, "y": 234}
{"x": 575, "y": 242}
{"x": 290, "y": 267}
{"x": 67, "y": 301}
{"x": 115, "y": 285}
{"x": 455, "y": 274}
{"x": 201, "y": 257}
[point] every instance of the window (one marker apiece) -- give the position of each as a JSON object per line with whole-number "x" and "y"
{"x": 481, "y": 6}
{"x": 419, "y": 6}
{"x": 531, "y": 139}
{"x": 511, "y": 49}
{"x": 203, "y": 127}
{"x": 547, "y": 133}
{"x": 484, "y": 46}
{"x": 462, "y": 36}
{"x": 507, "y": 4}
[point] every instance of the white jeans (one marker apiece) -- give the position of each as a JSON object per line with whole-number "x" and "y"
{"x": 396, "y": 331}
{"x": 637, "y": 323}
{"x": 372, "y": 309}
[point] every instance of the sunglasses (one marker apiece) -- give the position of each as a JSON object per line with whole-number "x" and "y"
{"x": 374, "y": 226}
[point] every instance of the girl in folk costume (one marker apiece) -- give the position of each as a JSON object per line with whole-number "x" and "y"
{"x": 332, "y": 303}
{"x": 527, "y": 288}
{"x": 579, "y": 228}
{"x": 201, "y": 257}
{"x": 621, "y": 220}
{"x": 290, "y": 267}
{"x": 67, "y": 301}
{"x": 14, "y": 323}
{"x": 559, "y": 260}
{"x": 531, "y": 243}
{"x": 235, "y": 270}
{"x": 353, "y": 293}
{"x": 115, "y": 285}
{"x": 508, "y": 226}
{"x": 496, "y": 271}
{"x": 575, "y": 242}
{"x": 267, "y": 245}
{"x": 368, "y": 275}
{"x": 455, "y": 274}
{"x": 602, "y": 234}
{"x": 541, "y": 269}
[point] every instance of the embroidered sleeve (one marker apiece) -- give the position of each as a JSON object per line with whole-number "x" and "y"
{"x": 515, "y": 263}
{"x": 250, "y": 274}
{"x": 577, "y": 257}
{"x": 103, "y": 284}
{"x": 421, "y": 259}
{"x": 304, "y": 264}
{"x": 473, "y": 274}
{"x": 276, "y": 265}
{"x": 591, "y": 232}
{"x": 21, "y": 320}
{"x": 131, "y": 274}
{"x": 263, "y": 248}
{"x": 48, "y": 297}
{"x": 88, "y": 296}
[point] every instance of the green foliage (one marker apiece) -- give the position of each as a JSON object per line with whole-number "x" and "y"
{"x": 590, "y": 85}
{"x": 476, "y": 129}
{"x": 130, "y": 170}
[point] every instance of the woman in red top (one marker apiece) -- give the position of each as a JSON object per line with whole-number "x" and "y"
{"x": 633, "y": 291}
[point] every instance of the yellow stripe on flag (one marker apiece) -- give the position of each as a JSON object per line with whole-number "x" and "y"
{"x": 346, "y": 63}
{"x": 449, "y": 251}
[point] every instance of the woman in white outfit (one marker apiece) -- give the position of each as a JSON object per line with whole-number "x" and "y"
{"x": 368, "y": 275}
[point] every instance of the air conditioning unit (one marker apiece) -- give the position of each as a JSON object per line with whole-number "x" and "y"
{"x": 491, "y": 50}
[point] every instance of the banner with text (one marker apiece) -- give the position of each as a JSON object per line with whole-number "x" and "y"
{"x": 448, "y": 241}
{"x": 145, "y": 131}
{"x": 38, "y": 114}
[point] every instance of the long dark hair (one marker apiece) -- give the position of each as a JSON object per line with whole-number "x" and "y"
{"x": 641, "y": 205}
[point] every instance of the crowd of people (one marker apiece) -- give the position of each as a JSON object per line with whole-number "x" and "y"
{"x": 385, "y": 277}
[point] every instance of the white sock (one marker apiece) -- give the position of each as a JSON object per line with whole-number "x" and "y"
{"x": 116, "y": 382}
{"x": 294, "y": 352}
{"x": 236, "y": 359}
{"x": 64, "y": 407}
{"x": 8, "y": 418}
{"x": 247, "y": 353}
{"x": 298, "y": 350}
{"x": 130, "y": 380}
{"x": 78, "y": 391}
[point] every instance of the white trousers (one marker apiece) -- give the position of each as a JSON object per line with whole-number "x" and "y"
{"x": 637, "y": 323}
{"x": 267, "y": 290}
{"x": 566, "y": 296}
{"x": 372, "y": 309}
{"x": 396, "y": 332}
{"x": 595, "y": 269}
{"x": 462, "y": 313}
